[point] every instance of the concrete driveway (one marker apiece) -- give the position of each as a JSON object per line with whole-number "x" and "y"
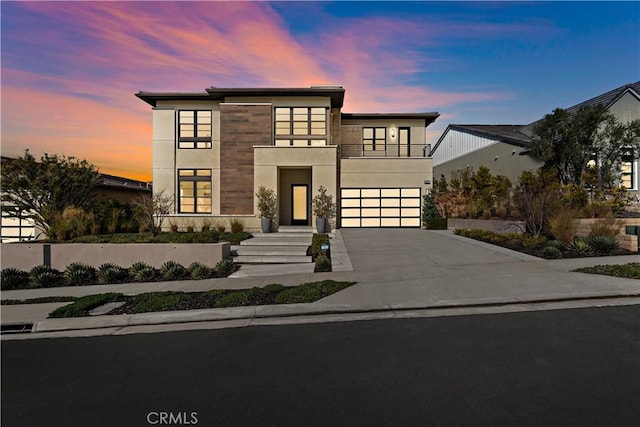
{"x": 404, "y": 268}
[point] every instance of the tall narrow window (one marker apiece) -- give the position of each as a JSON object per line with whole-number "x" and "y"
{"x": 374, "y": 139}
{"x": 195, "y": 190}
{"x": 300, "y": 126}
{"x": 194, "y": 129}
{"x": 627, "y": 177}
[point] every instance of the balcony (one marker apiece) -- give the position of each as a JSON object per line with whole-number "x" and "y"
{"x": 389, "y": 150}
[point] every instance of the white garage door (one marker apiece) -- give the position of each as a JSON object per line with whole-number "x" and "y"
{"x": 380, "y": 207}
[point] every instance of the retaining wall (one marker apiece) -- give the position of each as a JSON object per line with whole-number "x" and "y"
{"x": 499, "y": 226}
{"x": 25, "y": 256}
{"x": 626, "y": 241}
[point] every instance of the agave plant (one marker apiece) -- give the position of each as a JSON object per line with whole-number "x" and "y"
{"x": 557, "y": 244}
{"x": 551, "y": 252}
{"x": 43, "y": 276}
{"x": 579, "y": 247}
{"x": 111, "y": 273}
{"x": 78, "y": 274}
{"x": 604, "y": 245}
{"x": 12, "y": 278}
{"x": 171, "y": 270}
{"x": 199, "y": 271}
{"x": 142, "y": 272}
{"x": 225, "y": 267}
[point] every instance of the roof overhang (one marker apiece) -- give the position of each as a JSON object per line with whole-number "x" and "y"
{"x": 427, "y": 117}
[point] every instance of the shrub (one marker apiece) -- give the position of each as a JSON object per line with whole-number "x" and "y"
{"x": 486, "y": 214}
{"x": 604, "y": 245}
{"x": 173, "y": 227}
{"x": 630, "y": 270}
{"x": 596, "y": 210}
{"x": 142, "y": 272}
{"x": 199, "y": 271}
{"x": 323, "y": 263}
{"x": 12, "y": 278}
{"x": 206, "y": 224}
{"x": 605, "y": 226}
{"x": 501, "y": 212}
{"x": 190, "y": 227}
{"x": 82, "y": 306}
{"x": 310, "y": 292}
{"x": 171, "y": 270}
{"x": 225, "y": 267}
{"x": 561, "y": 223}
{"x": 551, "y": 252}
{"x": 220, "y": 228}
{"x": 317, "y": 240}
{"x": 157, "y": 301}
{"x": 253, "y": 296}
{"x": 111, "y": 273}
{"x": 557, "y": 244}
{"x": 78, "y": 274}
{"x": 579, "y": 247}
{"x": 436, "y": 224}
{"x": 274, "y": 288}
{"x": 42, "y": 276}
{"x": 236, "y": 226}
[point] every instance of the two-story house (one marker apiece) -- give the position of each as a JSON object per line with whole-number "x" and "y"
{"x": 212, "y": 150}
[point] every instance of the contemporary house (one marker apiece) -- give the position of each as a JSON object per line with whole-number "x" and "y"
{"x": 213, "y": 150}
{"x": 503, "y": 148}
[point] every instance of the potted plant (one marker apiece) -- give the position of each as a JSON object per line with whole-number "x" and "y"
{"x": 268, "y": 207}
{"x": 324, "y": 209}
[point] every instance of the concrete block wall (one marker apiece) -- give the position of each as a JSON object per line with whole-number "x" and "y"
{"x": 628, "y": 242}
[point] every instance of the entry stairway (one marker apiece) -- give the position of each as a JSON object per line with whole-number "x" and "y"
{"x": 286, "y": 246}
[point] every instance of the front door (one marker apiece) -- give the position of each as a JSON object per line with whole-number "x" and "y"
{"x": 404, "y": 142}
{"x": 299, "y": 204}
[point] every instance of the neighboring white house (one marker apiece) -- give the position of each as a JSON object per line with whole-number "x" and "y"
{"x": 503, "y": 148}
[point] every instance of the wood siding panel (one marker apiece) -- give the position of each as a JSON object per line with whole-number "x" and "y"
{"x": 241, "y": 127}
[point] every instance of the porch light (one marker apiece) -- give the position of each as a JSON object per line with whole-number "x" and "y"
{"x": 393, "y": 133}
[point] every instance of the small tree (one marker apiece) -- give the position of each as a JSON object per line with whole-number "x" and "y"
{"x": 42, "y": 190}
{"x": 267, "y": 202}
{"x": 152, "y": 210}
{"x": 536, "y": 196}
{"x": 323, "y": 205}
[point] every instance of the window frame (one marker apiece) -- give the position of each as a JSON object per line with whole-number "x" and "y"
{"x": 194, "y": 142}
{"x": 374, "y": 140}
{"x": 629, "y": 158}
{"x": 296, "y": 131}
{"x": 194, "y": 178}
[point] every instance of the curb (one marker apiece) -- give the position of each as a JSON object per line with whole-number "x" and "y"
{"x": 289, "y": 310}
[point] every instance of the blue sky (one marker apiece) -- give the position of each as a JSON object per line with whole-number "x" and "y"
{"x": 69, "y": 70}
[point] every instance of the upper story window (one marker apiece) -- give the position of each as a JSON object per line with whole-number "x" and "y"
{"x": 194, "y": 129}
{"x": 300, "y": 126}
{"x": 374, "y": 139}
{"x": 195, "y": 190}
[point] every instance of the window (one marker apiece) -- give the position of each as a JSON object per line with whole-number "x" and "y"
{"x": 195, "y": 190}
{"x": 627, "y": 177}
{"x": 300, "y": 126}
{"x": 374, "y": 139}
{"x": 194, "y": 129}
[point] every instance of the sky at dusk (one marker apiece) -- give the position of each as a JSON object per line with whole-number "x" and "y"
{"x": 69, "y": 70}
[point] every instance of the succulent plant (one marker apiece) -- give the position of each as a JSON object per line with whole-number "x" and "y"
{"x": 604, "y": 245}
{"x": 43, "y": 276}
{"x": 579, "y": 247}
{"x": 171, "y": 270}
{"x": 12, "y": 278}
{"x": 78, "y": 274}
{"x": 199, "y": 271}
{"x": 551, "y": 252}
{"x": 111, "y": 273}
{"x": 225, "y": 267}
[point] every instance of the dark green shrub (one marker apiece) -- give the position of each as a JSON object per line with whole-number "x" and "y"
{"x": 579, "y": 247}
{"x": 436, "y": 224}
{"x": 274, "y": 288}
{"x": 110, "y": 273}
{"x": 171, "y": 270}
{"x": 225, "y": 267}
{"x": 80, "y": 274}
{"x": 199, "y": 271}
{"x": 317, "y": 240}
{"x": 551, "y": 252}
{"x": 323, "y": 263}
{"x": 235, "y": 238}
{"x": 12, "y": 278}
{"x": 630, "y": 270}
{"x": 82, "y": 306}
{"x": 604, "y": 245}
{"x": 236, "y": 226}
{"x": 42, "y": 276}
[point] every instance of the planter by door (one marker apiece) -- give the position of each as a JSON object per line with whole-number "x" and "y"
{"x": 265, "y": 223}
{"x": 322, "y": 225}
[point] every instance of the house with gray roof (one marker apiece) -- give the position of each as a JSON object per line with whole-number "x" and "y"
{"x": 504, "y": 148}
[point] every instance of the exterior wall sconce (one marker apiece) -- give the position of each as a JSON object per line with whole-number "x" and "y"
{"x": 393, "y": 133}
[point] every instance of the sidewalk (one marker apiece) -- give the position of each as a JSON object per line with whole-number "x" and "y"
{"x": 397, "y": 271}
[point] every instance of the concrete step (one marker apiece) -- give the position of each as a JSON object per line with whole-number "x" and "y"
{"x": 250, "y": 270}
{"x": 282, "y": 236}
{"x": 270, "y": 250}
{"x": 294, "y": 229}
{"x": 275, "y": 241}
{"x": 273, "y": 259}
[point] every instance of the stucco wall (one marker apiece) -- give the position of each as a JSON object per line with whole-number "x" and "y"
{"x": 352, "y": 136}
{"x": 385, "y": 172}
{"x": 26, "y": 256}
{"x": 508, "y": 163}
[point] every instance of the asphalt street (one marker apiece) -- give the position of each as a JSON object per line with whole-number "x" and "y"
{"x": 578, "y": 367}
